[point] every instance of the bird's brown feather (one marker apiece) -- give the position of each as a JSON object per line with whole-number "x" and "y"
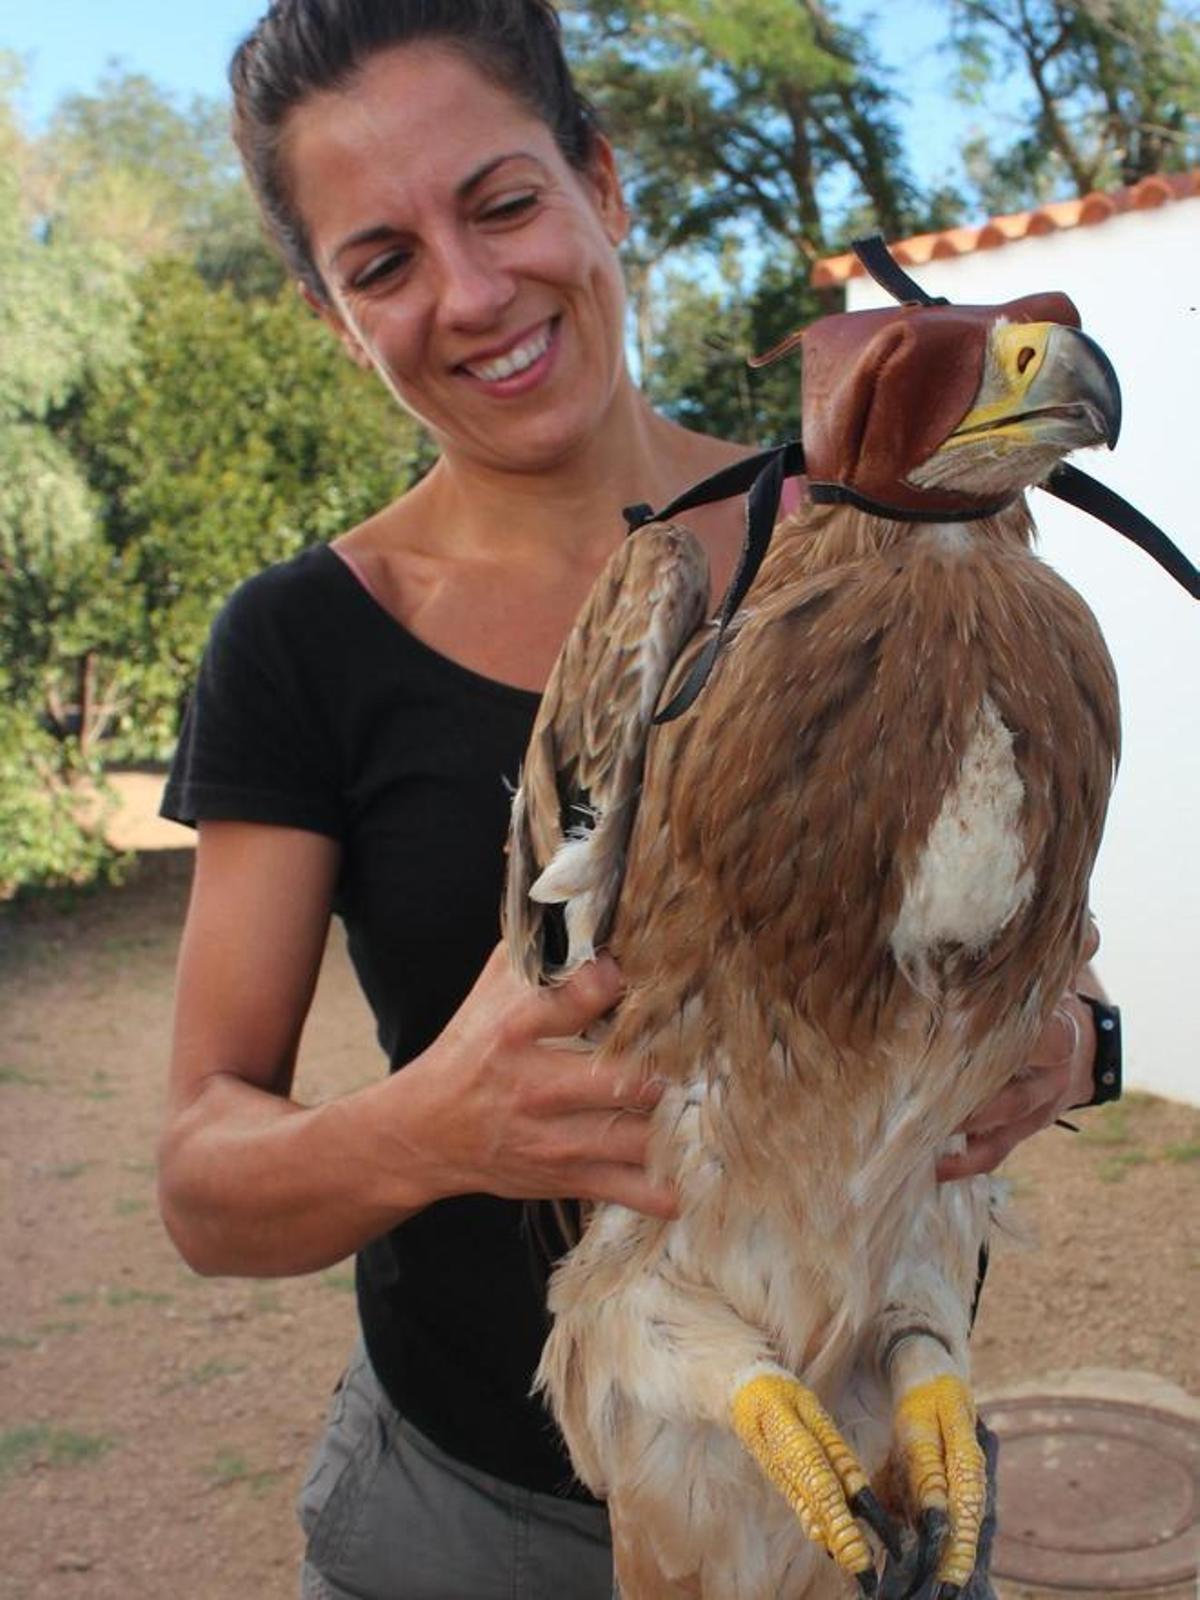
{"x": 780, "y": 827}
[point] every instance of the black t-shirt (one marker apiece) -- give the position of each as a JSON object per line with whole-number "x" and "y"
{"x": 315, "y": 709}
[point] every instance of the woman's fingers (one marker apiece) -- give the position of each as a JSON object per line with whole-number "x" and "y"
{"x": 1059, "y": 1039}
{"x": 986, "y": 1151}
{"x": 1057, "y": 1076}
{"x": 630, "y": 1186}
{"x": 566, "y": 1009}
{"x": 1019, "y": 1100}
{"x": 531, "y": 1110}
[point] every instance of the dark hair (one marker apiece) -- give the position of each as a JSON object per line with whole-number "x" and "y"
{"x": 301, "y": 47}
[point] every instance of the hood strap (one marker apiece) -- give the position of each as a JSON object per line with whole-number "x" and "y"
{"x": 761, "y": 478}
{"x": 881, "y": 264}
{"x": 838, "y": 494}
{"x": 762, "y": 475}
{"x": 1098, "y": 500}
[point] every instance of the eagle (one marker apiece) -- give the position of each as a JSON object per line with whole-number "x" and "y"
{"x": 845, "y": 876}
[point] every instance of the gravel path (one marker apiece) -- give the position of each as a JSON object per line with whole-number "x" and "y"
{"x": 154, "y": 1426}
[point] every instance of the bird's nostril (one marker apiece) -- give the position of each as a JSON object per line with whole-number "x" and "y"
{"x": 1024, "y": 356}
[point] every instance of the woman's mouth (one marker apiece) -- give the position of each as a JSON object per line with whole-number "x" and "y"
{"x": 525, "y": 361}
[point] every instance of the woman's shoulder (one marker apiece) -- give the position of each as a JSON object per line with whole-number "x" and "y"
{"x": 295, "y": 581}
{"x": 299, "y": 593}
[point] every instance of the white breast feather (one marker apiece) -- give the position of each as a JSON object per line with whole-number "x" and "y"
{"x": 971, "y": 879}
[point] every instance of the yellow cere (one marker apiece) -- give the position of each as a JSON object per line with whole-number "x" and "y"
{"x": 1016, "y": 351}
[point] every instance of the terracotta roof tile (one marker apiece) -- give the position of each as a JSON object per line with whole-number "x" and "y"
{"x": 996, "y": 231}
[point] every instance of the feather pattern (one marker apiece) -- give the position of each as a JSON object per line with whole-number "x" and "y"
{"x": 898, "y": 710}
{"x": 582, "y": 772}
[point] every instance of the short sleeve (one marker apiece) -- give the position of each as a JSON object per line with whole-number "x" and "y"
{"x": 255, "y": 745}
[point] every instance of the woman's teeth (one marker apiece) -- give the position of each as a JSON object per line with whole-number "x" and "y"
{"x": 516, "y": 360}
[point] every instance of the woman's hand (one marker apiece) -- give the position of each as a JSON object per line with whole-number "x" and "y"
{"x": 252, "y": 1182}
{"x": 508, "y": 1102}
{"x": 1057, "y": 1077}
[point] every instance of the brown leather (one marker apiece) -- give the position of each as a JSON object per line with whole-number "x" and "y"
{"x": 883, "y": 389}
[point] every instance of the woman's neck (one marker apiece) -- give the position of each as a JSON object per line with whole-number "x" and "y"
{"x": 570, "y": 509}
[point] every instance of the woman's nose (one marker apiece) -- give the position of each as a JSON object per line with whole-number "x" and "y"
{"x": 473, "y": 288}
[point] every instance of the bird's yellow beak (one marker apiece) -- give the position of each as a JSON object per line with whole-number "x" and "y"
{"x": 1043, "y": 382}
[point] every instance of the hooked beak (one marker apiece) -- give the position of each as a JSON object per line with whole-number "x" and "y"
{"x": 1044, "y": 383}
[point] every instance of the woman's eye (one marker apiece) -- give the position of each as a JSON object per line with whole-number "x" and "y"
{"x": 382, "y": 267}
{"x": 510, "y": 208}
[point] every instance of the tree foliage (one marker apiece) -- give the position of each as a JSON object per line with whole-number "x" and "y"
{"x": 171, "y": 419}
{"x": 770, "y": 115}
{"x": 755, "y": 136}
{"x": 65, "y": 314}
{"x": 237, "y": 434}
{"x": 1111, "y": 93}
{"x": 45, "y": 842}
{"x": 167, "y": 426}
{"x": 130, "y": 166}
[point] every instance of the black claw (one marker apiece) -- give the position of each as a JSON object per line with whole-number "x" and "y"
{"x": 867, "y": 1508}
{"x": 934, "y": 1527}
{"x": 867, "y": 1582}
{"x": 948, "y": 1591}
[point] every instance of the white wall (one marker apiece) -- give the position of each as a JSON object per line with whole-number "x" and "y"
{"x": 1136, "y": 282}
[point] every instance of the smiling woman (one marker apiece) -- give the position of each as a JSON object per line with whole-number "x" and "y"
{"x": 465, "y": 281}
{"x": 450, "y": 209}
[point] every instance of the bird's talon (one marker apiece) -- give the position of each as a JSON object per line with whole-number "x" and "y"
{"x": 796, "y": 1444}
{"x": 947, "y": 1476}
{"x": 867, "y": 1582}
{"x": 931, "y": 1536}
{"x": 948, "y": 1591}
{"x": 866, "y": 1507}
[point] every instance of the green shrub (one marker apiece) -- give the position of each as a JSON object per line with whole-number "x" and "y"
{"x": 44, "y": 841}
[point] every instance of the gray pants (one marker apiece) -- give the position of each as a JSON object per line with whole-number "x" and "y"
{"x": 389, "y": 1516}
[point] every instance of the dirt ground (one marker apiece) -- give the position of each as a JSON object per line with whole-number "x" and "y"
{"x": 154, "y": 1426}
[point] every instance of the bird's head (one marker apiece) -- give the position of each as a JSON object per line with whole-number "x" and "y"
{"x": 948, "y": 410}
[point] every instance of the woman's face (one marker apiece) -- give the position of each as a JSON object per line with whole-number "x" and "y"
{"x": 466, "y": 260}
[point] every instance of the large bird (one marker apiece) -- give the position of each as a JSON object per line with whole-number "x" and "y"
{"x": 846, "y": 888}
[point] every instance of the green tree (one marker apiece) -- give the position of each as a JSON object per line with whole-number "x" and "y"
{"x": 755, "y": 136}
{"x": 700, "y": 333}
{"x": 771, "y": 115}
{"x": 238, "y": 434}
{"x": 130, "y": 165}
{"x": 65, "y": 314}
{"x": 1112, "y": 93}
{"x": 44, "y": 843}
{"x": 171, "y": 420}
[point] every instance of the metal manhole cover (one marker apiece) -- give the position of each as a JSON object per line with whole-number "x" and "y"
{"x": 1095, "y": 1494}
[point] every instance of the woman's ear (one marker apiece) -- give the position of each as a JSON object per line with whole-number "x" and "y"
{"x": 333, "y": 320}
{"x": 606, "y": 181}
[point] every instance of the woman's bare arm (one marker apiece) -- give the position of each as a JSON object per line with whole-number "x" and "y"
{"x": 252, "y": 1182}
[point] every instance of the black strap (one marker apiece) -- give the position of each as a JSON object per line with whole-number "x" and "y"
{"x": 763, "y": 476}
{"x": 838, "y": 494}
{"x": 882, "y": 265}
{"x": 1098, "y": 500}
{"x": 723, "y": 485}
{"x": 1065, "y": 482}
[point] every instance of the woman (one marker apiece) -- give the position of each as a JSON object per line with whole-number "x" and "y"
{"x": 450, "y": 210}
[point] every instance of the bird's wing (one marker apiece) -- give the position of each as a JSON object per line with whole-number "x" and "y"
{"x": 798, "y": 799}
{"x": 582, "y": 772}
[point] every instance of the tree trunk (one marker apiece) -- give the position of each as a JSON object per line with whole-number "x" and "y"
{"x": 87, "y": 701}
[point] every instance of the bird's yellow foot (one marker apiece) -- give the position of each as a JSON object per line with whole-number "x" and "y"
{"x": 794, "y": 1440}
{"x": 947, "y": 1476}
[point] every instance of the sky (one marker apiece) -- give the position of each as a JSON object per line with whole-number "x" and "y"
{"x": 184, "y": 46}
